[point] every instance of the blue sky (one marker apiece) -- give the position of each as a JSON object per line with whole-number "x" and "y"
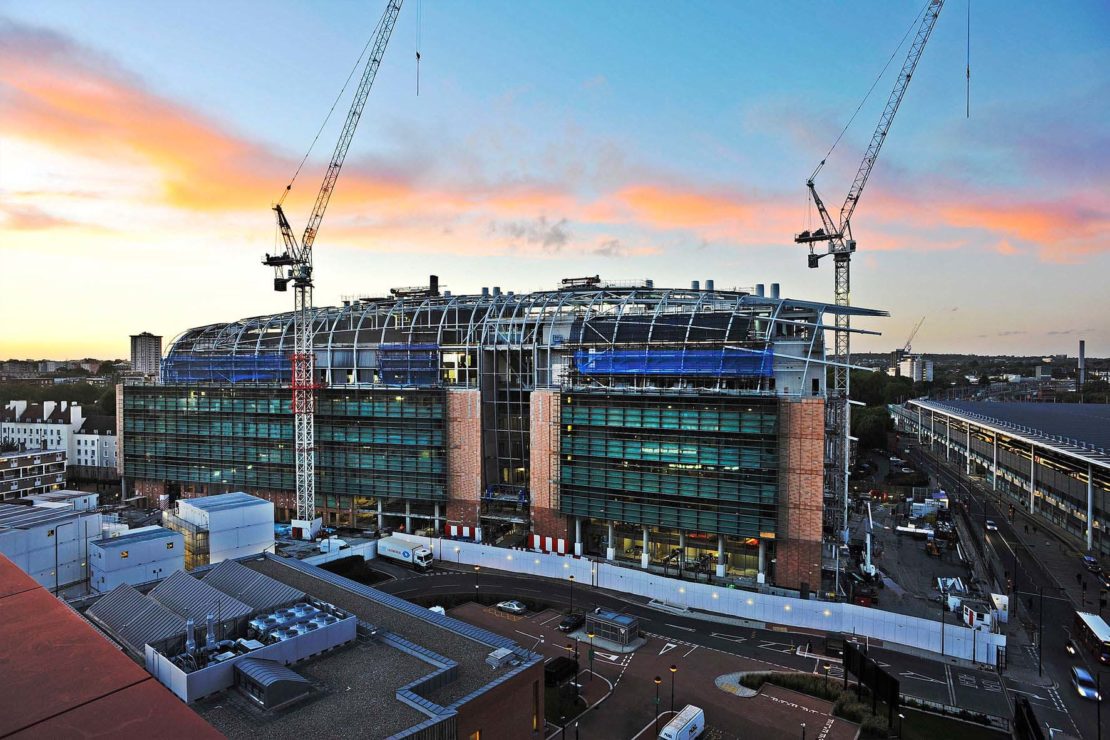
{"x": 659, "y": 140}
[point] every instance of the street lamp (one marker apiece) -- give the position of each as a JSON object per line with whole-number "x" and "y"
{"x": 476, "y": 569}
{"x": 591, "y": 636}
{"x": 900, "y": 718}
{"x": 571, "y": 593}
{"x": 658, "y": 681}
{"x": 458, "y": 556}
{"x": 828, "y": 667}
{"x": 674, "y": 670}
{"x": 803, "y": 731}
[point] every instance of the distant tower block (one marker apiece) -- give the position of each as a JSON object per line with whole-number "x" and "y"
{"x": 1082, "y": 375}
{"x": 146, "y": 353}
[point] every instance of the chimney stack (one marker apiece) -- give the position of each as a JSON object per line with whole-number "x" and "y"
{"x": 759, "y": 290}
{"x": 695, "y": 285}
{"x": 775, "y": 290}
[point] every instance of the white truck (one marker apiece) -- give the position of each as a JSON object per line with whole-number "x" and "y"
{"x": 686, "y": 725}
{"x": 403, "y": 551}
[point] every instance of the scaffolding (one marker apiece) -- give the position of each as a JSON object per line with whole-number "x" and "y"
{"x": 661, "y": 343}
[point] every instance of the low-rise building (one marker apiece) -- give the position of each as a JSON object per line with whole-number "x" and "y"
{"x": 65, "y": 499}
{"x": 89, "y": 440}
{"x": 50, "y": 544}
{"x": 137, "y": 556}
{"x": 27, "y": 473}
{"x": 229, "y": 525}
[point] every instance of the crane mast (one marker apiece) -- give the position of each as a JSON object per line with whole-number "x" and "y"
{"x": 295, "y": 265}
{"x": 840, "y": 244}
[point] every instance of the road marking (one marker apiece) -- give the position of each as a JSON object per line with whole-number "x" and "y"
{"x": 608, "y": 656}
{"x": 690, "y": 651}
{"x": 919, "y": 677}
{"x": 732, "y": 638}
{"x": 552, "y": 619}
{"x": 951, "y": 688}
{"x": 1029, "y": 693}
{"x": 669, "y": 646}
{"x": 533, "y": 637}
{"x": 680, "y": 627}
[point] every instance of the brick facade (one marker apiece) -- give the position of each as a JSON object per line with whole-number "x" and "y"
{"x": 464, "y": 456}
{"x": 514, "y": 709}
{"x": 801, "y": 490}
{"x": 543, "y": 465}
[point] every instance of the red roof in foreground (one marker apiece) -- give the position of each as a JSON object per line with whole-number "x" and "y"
{"x": 63, "y": 679}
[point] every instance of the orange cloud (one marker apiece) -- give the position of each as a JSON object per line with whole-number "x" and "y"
{"x": 60, "y": 95}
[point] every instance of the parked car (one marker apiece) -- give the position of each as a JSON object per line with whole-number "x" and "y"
{"x": 512, "y": 607}
{"x": 1084, "y": 684}
{"x": 1071, "y": 648}
{"x": 1090, "y": 562}
{"x": 991, "y": 526}
{"x": 571, "y": 622}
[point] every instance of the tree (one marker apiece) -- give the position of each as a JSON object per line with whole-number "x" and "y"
{"x": 106, "y": 404}
{"x": 871, "y": 426}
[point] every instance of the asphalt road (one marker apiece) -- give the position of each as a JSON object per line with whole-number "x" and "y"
{"x": 934, "y": 681}
{"x": 1059, "y": 706}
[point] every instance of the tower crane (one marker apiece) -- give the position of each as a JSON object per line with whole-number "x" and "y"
{"x": 909, "y": 340}
{"x": 294, "y": 265}
{"x": 840, "y": 244}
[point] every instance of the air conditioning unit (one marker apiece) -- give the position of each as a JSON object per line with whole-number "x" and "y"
{"x": 499, "y": 658}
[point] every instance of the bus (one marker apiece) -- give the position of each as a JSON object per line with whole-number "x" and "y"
{"x": 1092, "y": 632}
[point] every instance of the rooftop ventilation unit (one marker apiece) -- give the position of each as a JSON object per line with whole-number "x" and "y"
{"x": 499, "y": 658}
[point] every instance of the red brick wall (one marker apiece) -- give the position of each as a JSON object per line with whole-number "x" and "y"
{"x": 464, "y": 456}
{"x": 801, "y": 486}
{"x": 506, "y": 711}
{"x": 543, "y": 460}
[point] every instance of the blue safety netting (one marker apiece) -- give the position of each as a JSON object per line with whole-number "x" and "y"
{"x": 199, "y": 367}
{"x": 724, "y": 363}
{"x": 408, "y": 364}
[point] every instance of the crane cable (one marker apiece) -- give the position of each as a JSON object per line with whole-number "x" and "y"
{"x": 327, "y": 118}
{"x": 419, "y": 33}
{"x": 969, "y": 58}
{"x": 872, "y": 88}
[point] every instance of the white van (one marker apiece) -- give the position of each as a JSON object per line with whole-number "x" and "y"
{"x": 686, "y": 725}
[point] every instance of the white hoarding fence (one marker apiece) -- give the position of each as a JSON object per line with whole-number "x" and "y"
{"x": 923, "y": 634}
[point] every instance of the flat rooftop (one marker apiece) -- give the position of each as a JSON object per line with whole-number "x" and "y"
{"x": 142, "y": 534}
{"x": 223, "y": 501}
{"x": 356, "y": 686}
{"x": 465, "y": 644}
{"x": 20, "y": 516}
{"x": 1078, "y": 430}
{"x": 65, "y": 495}
{"x": 355, "y": 696}
{"x": 1085, "y": 422}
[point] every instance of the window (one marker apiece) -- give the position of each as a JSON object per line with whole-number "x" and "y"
{"x": 123, "y": 554}
{"x": 169, "y": 545}
{"x": 476, "y": 735}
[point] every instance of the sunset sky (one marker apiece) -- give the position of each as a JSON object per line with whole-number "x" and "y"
{"x": 143, "y": 143}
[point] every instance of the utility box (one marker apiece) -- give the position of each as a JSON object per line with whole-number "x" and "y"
{"x": 137, "y": 556}
{"x": 613, "y": 626}
{"x": 222, "y": 527}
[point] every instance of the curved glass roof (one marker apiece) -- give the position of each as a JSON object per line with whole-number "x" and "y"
{"x": 595, "y": 316}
